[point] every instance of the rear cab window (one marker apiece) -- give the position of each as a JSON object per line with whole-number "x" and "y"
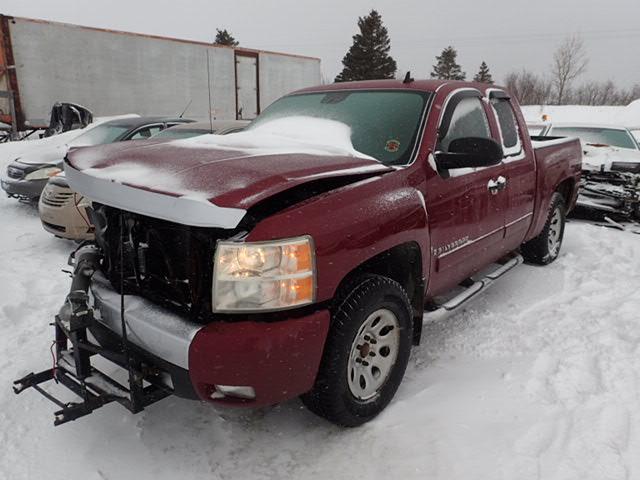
{"x": 511, "y": 136}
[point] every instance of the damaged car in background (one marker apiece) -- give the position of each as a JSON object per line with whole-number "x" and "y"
{"x": 63, "y": 212}
{"x": 610, "y": 167}
{"x": 27, "y": 176}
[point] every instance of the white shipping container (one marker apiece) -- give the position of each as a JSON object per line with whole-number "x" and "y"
{"x": 112, "y": 72}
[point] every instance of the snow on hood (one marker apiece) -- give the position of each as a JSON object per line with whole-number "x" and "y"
{"x": 234, "y": 171}
{"x": 147, "y": 177}
{"x": 297, "y": 135}
{"x": 601, "y": 157}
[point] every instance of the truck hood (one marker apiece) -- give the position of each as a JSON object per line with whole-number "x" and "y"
{"x": 204, "y": 183}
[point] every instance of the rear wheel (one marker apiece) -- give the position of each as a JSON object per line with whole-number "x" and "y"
{"x": 366, "y": 354}
{"x": 545, "y": 248}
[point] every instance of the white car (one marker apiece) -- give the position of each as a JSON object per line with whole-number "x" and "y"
{"x": 610, "y": 166}
{"x": 63, "y": 212}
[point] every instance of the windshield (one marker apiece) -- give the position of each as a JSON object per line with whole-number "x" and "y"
{"x": 175, "y": 133}
{"x": 99, "y": 135}
{"x": 384, "y": 124}
{"x": 598, "y": 136}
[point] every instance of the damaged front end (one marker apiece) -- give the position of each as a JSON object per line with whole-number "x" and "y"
{"x": 612, "y": 192}
{"x": 611, "y": 181}
{"x": 139, "y": 295}
{"x": 77, "y": 328}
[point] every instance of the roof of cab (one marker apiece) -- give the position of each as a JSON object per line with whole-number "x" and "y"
{"x": 395, "y": 84}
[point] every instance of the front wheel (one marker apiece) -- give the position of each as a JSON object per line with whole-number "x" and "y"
{"x": 545, "y": 248}
{"x": 366, "y": 354}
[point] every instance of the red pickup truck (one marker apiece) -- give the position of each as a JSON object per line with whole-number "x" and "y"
{"x": 300, "y": 257}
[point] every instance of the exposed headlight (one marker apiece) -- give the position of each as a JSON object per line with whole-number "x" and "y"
{"x": 632, "y": 167}
{"x": 43, "y": 173}
{"x": 264, "y": 275}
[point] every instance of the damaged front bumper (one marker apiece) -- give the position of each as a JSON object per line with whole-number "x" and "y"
{"x": 275, "y": 360}
{"x": 617, "y": 193}
{"x": 244, "y": 361}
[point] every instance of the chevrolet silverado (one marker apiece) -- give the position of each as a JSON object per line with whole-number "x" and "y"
{"x": 302, "y": 256}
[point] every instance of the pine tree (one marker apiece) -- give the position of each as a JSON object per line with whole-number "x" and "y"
{"x": 446, "y": 67}
{"x": 368, "y": 58}
{"x": 483, "y": 75}
{"x": 223, "y": 37}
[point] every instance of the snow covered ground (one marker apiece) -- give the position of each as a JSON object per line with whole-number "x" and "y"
{"x": 538, "y": 379}
{"x": 628, "y": 116}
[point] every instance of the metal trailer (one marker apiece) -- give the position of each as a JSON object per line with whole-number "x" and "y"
{"x": 112, "y": 72}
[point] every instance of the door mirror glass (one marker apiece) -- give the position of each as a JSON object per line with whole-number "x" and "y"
{"x": 470, "y": 152}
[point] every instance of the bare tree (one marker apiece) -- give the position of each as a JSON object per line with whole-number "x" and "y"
{"x": 632, "y": 94}
{"x": 529, "y": 88}
{"x": 569, "y": 62}
{"x": 602, "y": 93}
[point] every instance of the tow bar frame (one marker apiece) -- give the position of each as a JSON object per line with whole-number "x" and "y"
{"x": 73, "y": 351}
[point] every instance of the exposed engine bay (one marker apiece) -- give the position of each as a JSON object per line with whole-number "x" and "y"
{"x": 611, "y": 181}
{"x": 612, "y": 192}
{"x": 167, "y": 263}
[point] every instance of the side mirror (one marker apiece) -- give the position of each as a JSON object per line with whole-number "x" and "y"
{"x": 470, "y": 152}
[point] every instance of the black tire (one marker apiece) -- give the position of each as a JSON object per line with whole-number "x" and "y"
{"x": 332, "y": 396}
{"x": 545, "y": 248}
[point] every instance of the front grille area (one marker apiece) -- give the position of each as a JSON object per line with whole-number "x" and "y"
{"x": 168, "y": 263}
{"x": 55, "y": 198}
{"x": 15, "y": 173}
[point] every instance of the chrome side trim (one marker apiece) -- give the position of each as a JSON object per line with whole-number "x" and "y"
{"x": 183, "y": 210}
{"x": 149, "y": 326}
{"x": 470, "y": 242}
{"x": 475, "y": 240}
{"x": 518, "y": 220}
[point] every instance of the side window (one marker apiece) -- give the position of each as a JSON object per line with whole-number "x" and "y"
{"x": 468, "y": 120}
{"x": 508, "y": 126}
{"x": 146, "y": 132}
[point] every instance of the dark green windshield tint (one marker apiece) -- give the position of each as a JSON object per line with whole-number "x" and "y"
{"x": 384, "y": 123}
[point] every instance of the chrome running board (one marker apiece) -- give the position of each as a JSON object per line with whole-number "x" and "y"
{"x": 440, "y": 312}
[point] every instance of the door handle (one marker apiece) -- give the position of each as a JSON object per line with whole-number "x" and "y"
{"x": 495, "y": 186}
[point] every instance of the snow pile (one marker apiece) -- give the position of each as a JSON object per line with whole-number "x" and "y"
{"x": 628, "y": 116}
{"x": 290, "y": 135}
{"x": 539, "y": 378}
{"x": 601, "y": 157}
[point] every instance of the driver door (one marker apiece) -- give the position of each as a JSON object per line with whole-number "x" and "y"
{"x": 466, "y": 216}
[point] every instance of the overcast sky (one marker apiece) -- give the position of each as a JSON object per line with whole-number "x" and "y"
{"x": 507, "y": 34}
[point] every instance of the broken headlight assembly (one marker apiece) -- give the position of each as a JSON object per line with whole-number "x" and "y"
{"x": 263, "y": 276}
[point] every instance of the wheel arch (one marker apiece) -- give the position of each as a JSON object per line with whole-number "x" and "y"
{"x": 567, "y": 188}
{"x": 401, "y": 263}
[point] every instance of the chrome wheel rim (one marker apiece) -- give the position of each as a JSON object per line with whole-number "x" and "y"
{"x": 555, "y": 230}
{"x": 373, "y": 354}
